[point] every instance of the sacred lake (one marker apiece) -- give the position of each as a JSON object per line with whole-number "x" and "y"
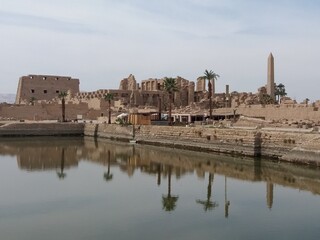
{"x": 87, "y": 188}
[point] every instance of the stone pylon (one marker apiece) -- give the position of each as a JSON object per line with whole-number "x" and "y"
{"x": 270, "y": 83}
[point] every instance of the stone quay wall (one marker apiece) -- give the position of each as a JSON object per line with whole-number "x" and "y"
{"x": 294, "y": 112}
{"x": 41, "y": 129}
{"x": 300, "y": 146}
{"x": 112, "y": 131}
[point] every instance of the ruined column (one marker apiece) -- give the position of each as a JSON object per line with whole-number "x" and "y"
{"x": 201, "y": 84}
{"x": 190, "y": 93}
{"x": 270, "y": 83}
{"x": 228, "y": 98}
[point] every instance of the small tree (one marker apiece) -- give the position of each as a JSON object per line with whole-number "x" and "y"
{"x": 170, "y": 86}
{"x": 280, "y": 91}
{"x": 109, "y": 97}
{"x": 32, "y": 100}
{"x": 62, "y": 96}
{"x": 307, "y": 101}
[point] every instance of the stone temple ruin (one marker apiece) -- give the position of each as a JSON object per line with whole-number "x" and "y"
{"x": 44, "y": 87}
{"x": 37, "y": 99}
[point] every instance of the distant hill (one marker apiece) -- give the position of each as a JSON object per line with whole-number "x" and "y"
{"x": 7, "y": 97}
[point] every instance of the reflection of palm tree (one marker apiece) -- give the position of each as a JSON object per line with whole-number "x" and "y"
{"x": 208, "y": 204}
{"x": 159, "y": 174}
{"x": 226, "y": 202}
{"x": 61, "y": 174}
{"x": 169, "y": 201}
{"x": 108, "y": 176}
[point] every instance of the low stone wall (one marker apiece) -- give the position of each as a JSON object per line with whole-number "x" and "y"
{"x": 41, "y": 129}
{"x": 112, "y": 131}
{"x": 52, "y": 111}
{"x": 276, "y": 112}
{"x": 282, "y": 144}
{"x": 294, "y": 146}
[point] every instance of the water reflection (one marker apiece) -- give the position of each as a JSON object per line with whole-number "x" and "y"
{"x": 169, "y": 201}
{"x": 61, "y": 174}
{"x": 207, "y": 203}
{"x": 61, "y": 154}
{"x": 226, "y": 201}
{"x": 107, "y": 175}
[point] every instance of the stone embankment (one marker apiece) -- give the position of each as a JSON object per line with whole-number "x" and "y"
{"x": 41, "y": 129}
{"x": 301, "y": 146}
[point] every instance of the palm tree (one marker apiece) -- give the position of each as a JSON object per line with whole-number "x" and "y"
{"x": 211, "y": 76}
{"x": 62, "y": 95}
{"x": 108, "y": 97}
{"x": 170, "y": 86}
{"x": 61, "y": 174}
{"x": 208, "y": 204}
{"x": 280, "y": 91}
{"x": 169, "y": 201}
{"x": 108, "y": 176}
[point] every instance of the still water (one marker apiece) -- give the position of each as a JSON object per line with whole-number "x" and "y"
{"x": 74, "y": 188}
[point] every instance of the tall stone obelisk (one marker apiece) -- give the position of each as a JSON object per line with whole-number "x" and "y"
{"x": 270, "y": 83}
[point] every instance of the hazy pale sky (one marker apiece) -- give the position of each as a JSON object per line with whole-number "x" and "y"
{"x": 102, "y": 41}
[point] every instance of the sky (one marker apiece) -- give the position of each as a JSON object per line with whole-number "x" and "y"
{"x": 103, "y": 41}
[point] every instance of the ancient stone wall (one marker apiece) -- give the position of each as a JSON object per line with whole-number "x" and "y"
{"x": 112, "y": 131}
{"x": 128, "y": 83}
{"x": 51, "y": 111}
{"x": 276, "y": 112}
{"x": 201, "y": 84}
{"x": 252, "y": 142}
{"x": 44, "y": 87}
{"x": 41, "y": 129}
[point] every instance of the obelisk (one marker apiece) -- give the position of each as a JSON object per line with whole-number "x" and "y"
{"x": 270, "y": 83}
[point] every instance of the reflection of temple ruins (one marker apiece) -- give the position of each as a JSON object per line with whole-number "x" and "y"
{"x": 41, "y": 155}
{"x": 37, "y": 99}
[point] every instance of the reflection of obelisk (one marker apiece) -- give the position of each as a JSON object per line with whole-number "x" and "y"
{"x": 270, "y": 84}
{"x": 269, "y": 194}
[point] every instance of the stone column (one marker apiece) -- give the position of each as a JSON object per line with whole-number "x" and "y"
{"x": 190, "y": 93}
{"x": 228, "y": 97}
{"x": 201, "y": 85}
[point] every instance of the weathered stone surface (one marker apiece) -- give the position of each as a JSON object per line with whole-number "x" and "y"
{"x": 250, "y": 142}
{"x": 44, "y": 87}
{"x": 41, "y": 129}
